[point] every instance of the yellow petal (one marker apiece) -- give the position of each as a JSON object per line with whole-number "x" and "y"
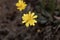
{"x": 33, "y": 24}
{"x": 23, "y": 21}
{"x": 29, "y": 12}
{"x": 35, "y": 16}
{"x": 35, "y": 21}
{"x": 20, "y": 1}
{"x": 27, "y": 24}
{"x": 17, "y": 4}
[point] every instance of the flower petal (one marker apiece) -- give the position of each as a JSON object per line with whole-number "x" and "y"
{"x": 23, "y": 21}
{"x": 35, "y": 21}
{"x": 35, "y": 16}
{"x": 33, "y": 24}
{"x": 27, "y": 24}
{"x": 17, "y": 4}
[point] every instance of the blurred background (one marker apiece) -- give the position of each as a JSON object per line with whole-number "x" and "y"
{"x": 47, "y": 28}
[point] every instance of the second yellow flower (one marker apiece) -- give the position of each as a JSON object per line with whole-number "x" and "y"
{"x": 21, "y": 5}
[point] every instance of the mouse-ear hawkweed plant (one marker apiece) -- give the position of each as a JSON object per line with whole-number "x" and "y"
{"x": 21, "y": 5}
{"x": 29, "y": 19}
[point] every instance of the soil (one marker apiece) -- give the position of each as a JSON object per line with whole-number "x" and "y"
{"x": 11, "y": 27}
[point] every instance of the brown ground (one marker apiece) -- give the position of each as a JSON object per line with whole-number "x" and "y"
{"x": 11, "y": 27}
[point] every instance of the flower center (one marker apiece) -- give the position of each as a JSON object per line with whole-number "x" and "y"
{"x": 20, "y": 6}
{"x": 29, "y": 18}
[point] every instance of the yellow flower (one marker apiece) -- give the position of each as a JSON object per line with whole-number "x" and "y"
{"x": 29, "y": 19}
{"x": 21, "y": 5}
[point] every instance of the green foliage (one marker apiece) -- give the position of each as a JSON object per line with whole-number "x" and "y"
{"x": 47, "y": 9}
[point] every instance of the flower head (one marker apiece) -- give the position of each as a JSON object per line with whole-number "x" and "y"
{"x": 29, "y": 19}
{"x": 21, "y": 5}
